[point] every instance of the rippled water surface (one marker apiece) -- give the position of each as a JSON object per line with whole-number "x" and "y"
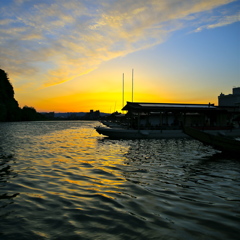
{"x": 62, "y": 180}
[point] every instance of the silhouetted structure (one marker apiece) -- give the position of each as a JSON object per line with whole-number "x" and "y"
{"x": 231, "y": 103}
{"x": 92, "y": 115}
{"x": 49, "y": 115}
{"x": 173, "y": 115}
{"x": 230, "y": 100}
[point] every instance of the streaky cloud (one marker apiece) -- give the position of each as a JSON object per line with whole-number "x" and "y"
{"x": 60, "y": 40}
{"x": 223, "y": 21}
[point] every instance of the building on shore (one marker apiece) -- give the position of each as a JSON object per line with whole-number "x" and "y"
{"x": 92, "y": 115}
{"x": 230, "y": 100}
{"x": 231, "y": 103}
{"x": 174, "y": 116}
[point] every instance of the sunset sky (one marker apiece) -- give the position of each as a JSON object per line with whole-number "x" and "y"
{"x": 70, "y": 56}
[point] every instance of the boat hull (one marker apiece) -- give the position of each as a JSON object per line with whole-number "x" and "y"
{"x": 122, "y": 133}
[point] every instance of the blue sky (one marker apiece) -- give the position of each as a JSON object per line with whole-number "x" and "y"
{"x": 70, "y": 55}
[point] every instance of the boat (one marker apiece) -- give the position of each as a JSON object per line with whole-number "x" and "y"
{"x": 217, "y": 140}
{"x": 111, "y": 124}
{"x": 128, "y": 133}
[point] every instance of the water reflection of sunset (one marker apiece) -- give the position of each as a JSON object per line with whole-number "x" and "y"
{"x": 60, "y": 179}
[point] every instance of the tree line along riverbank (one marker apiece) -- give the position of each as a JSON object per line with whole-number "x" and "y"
{"x": 9, "y": 107}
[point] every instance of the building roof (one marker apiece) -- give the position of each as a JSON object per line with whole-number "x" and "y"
{"x": 158, "y": 107}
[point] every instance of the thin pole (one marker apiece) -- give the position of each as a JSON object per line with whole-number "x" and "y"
{"x": 132, "y": 85}
{"x": 123, "y": 91}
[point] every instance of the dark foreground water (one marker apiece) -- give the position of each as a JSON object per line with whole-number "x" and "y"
{"x": 61, "y": 180}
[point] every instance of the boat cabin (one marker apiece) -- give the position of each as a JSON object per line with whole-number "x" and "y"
{"x": 173, "y": 116}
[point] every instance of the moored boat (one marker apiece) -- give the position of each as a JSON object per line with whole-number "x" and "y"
{"x": 124, "y": 133}
{"x": 165, "y": 120}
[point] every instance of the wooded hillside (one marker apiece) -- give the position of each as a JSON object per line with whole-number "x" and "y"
{"x": 9, "y": 108}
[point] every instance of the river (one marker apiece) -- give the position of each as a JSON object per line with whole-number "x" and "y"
{"x": 62, "y": 180}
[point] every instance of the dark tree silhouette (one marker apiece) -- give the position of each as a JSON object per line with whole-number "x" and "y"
{"x": 9, "y": 109}
{"x": 30, "y": 114}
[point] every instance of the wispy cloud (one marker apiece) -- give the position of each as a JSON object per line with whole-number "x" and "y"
{"x": 220, "y": 22}
{"x": 58, "y": 41}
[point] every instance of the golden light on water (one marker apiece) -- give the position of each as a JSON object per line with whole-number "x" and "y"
{"x": 63, "y": 179}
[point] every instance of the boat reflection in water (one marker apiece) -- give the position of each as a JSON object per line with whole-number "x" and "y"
{"x": 217, "y": 140}
{"x": 62, "y": 180}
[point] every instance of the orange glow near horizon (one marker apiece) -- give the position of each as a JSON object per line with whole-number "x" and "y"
{"x": 71, "y": 56}
{"x": 104, "y": 101}
{"x": 101, "y": 90}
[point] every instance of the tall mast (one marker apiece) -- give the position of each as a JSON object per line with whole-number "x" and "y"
{"x": 132, "y": 85}
{"x": 123, "y": 92}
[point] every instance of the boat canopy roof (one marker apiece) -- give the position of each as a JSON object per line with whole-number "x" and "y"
{"x": 159, "y": 107}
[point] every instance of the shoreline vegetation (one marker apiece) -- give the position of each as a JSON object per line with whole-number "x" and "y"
{"x": 9, "y": 107}
{"x": 11, "y": 112}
